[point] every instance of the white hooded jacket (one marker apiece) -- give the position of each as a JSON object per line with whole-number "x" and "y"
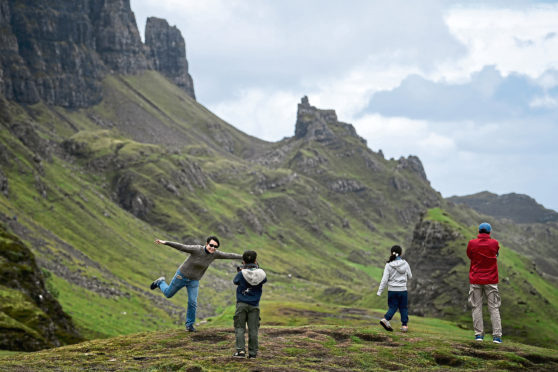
{"x": 396, "y": 274}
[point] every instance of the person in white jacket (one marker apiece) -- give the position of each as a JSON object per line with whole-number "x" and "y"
{"x": 396, "y": 274}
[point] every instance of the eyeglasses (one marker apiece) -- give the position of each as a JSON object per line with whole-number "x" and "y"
{"x": 214, "y": 246}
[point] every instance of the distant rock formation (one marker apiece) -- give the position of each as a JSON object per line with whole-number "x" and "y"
{"x": 320, "y": 125}
{"x": 59, "y": 51}
{"x": 519, "y": 208}
{"x": 167, "y": 51}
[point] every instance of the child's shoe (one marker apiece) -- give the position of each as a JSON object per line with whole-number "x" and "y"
{"x": 404, "y": 329}
{"x": 497, "y": 340}
{"x": 479, "y": 338}
{"x": 239, "y": 354}
{"x": 385, "y": 323}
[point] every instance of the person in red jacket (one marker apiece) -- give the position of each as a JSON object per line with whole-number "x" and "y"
{"x": 483, "y": 278}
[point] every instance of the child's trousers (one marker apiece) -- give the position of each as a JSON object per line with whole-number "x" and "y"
{"x": 247, "y": 314}
{"x": 398, "y": 300}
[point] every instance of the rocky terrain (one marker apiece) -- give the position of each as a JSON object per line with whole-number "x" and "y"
{"x": 30, "y": 316}
{"x": 63, "y": 59}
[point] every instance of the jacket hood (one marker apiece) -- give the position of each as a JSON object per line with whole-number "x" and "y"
{"x": 399, "y": 265}
{"x": 253, "y": 276}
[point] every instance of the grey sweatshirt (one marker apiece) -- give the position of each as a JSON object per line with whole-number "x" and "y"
{"x": 395, "y": 276}
{"x": 195, "y": 266}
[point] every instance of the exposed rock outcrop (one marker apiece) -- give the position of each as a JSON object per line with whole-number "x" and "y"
{"x": 59, "y": 51}
{"x": 167, "y": 51}
{"x": 320, "y": 125}
{"x": 438, "y": 261}
{"x": 30, "y": 317}
{"x": 117, "y": 38}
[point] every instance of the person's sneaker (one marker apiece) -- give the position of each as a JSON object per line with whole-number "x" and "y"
{"x": 190, "y": 328}
{"x": 404, "y": 329}
{"x": 239, "y": 354}
{"x": 252, "y": 356}
{"x": 496, "y": 340}
{"x": 479, "y": 338}
{"x": 386, "y": 325}
{"x": 156, "y": 283}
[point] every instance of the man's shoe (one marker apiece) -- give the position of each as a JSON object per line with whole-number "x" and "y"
{"x": 404, "y": 329}
{"x": 156, "y": 283}
{"x": 385, "y": 323}
{"x": 479, "y": 338}
{"x": 497, "y": 340}
{"x": 239, "y": 354}
{"x": 251, "y": 356}
{"x": 190, "y": 328}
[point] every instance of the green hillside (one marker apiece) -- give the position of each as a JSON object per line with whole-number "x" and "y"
{"x": 89, "y": 190}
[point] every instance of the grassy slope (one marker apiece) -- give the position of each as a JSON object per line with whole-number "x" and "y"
{"x": 303, "y": 256}
{"x": 431, "y": 344}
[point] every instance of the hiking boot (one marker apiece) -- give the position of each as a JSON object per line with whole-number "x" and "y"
{"x": 156, "y": 283}
{"x": 479, "y": 338}
{"x": 190, "y": 328}
{"x": 239, "y": 354}
{"x": 385, "y": 323}
{"x": 497, "y": 340}
{"x": 404, "y": 329}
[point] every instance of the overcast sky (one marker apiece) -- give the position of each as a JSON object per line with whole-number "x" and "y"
{"x": 470, "y": 87}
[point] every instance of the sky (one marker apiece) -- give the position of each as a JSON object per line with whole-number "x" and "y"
{"x": 470, "y": 87}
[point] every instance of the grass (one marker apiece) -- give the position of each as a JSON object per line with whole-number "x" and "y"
{"x": 430, "y": 344}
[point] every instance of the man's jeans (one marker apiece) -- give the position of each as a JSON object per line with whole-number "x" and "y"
{"x": 398, "y": 300}
{"x": 179, "y": 281}
{"x": 494, "y": 302}
{"x": 246, "y": 313}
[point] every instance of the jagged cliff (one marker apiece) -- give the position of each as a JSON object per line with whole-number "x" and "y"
{"x": 59, "y": 51}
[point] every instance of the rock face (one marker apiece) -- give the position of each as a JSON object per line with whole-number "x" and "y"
{"x": 117, "y": 38}
{"x": 58, "y": 51}
{"x": 320, "y": 125}
{"x": 437, "y": 256}
{"x": 167, "y": 51}
{"x": 30, "y": 317}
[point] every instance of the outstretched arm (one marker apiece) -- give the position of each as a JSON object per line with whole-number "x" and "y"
{"x": 227, "y": 256}
{"x": 180, "y": 247}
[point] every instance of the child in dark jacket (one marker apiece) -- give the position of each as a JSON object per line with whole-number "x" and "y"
{"x": 249, "y": 281}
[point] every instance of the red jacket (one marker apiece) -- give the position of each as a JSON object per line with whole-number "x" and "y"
{"x": 483, "y": 253}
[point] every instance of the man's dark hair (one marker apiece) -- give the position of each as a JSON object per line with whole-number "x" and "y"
{"x": 249, "y": 257}
{"x": 210, "y": 238}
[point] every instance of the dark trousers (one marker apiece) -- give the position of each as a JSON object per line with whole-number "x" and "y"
{"x": 397, "y": 300}
{"x": 247, "y": 314}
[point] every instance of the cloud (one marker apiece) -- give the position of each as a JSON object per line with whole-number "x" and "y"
{"x": 292, "y": 44}
{"x": 488, "y": 96}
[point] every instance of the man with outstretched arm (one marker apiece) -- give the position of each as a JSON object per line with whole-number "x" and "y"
{"x": 190, "y": 272}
